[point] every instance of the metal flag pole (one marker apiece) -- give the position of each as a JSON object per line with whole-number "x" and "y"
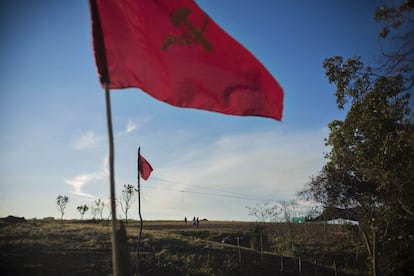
{"x": 101, "y": 62}
{"x": 139, "y": 209}
{"x": 115, "y": 251}
{"x": 139, "y": 201}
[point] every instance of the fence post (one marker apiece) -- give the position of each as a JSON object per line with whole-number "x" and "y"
{"x": 261, "y": 246}
{"x": 281, "y": 263}
{"x": 238, "y": 248}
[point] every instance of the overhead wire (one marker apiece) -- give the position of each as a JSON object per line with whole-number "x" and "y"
{"x": 221, "y": 192}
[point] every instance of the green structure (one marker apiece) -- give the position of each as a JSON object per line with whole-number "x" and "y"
{"x": 298, "y": 219}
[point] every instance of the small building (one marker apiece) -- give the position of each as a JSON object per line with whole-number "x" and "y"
{"x": 335, "y": 215}
{"x": 342, "y": 221}
{"x": 298, "y": 219}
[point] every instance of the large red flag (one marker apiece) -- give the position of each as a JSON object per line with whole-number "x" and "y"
{"x": 175, "y": 52}
{"x": 145, "y": 168}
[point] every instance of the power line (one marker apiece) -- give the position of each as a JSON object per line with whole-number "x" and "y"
{"x": 209, "y": 188}
{"x": 223, "y": 193}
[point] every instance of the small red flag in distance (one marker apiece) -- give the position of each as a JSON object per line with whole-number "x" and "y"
{"x": 172, "y": 50}
{"x": 145, "y": 168}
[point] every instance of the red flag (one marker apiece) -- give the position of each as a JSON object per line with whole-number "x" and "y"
{"x": 175, "y": 52}
{"x": 145, "y": 168}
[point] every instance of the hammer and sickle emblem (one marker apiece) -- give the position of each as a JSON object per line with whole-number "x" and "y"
{"x": 180, "y": 17}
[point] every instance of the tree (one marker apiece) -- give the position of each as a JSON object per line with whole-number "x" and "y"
{"x": 82, "y": 209}
{"x": 288, "y": 211}
{"x": 108, "y": 206}
{"x": 97, "y": 208}
{"x": 61, "y": 202}
{"x": 370, "y": 166}
{"x": 100, "y": 205}
{"x": 94, "y": 211}
{"x": 399, "y": 51}
{"x": 127, "y": 199}
{"x": 264, "y": 212}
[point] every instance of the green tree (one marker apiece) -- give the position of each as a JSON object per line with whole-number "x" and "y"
{"x": 127, "y": 199}
{"x": 370, "y": 166}
{"x": 82, "y": 209}
{"x": 61, "y": 203}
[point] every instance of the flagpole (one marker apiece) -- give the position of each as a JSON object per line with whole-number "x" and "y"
{"x": 139, "y": 202}
{"x": 115, "y": 253}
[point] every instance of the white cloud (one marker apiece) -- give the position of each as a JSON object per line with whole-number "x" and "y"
{"x": 105, "y": 165}
{"x": 79, "y": 182}
{"x": 130, "y": 127}
{"x": 218, "y": 178}
{"x": 86, "y": 140}
{"x": 269, "y": 166}
{"x": 89, "y": 138}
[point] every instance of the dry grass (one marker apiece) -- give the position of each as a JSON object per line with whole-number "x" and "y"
{"x": 173, "y": 248}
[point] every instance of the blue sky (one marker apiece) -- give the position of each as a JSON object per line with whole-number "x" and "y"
{"x": 52, "y": 112}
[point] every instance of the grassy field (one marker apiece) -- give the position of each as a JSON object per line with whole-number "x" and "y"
{"x": 75, "y": 247}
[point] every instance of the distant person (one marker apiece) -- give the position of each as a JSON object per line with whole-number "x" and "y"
{"x": 194, "y": 221}
{"x": 198, "y": 222}
{"x": 185, "y": 220}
